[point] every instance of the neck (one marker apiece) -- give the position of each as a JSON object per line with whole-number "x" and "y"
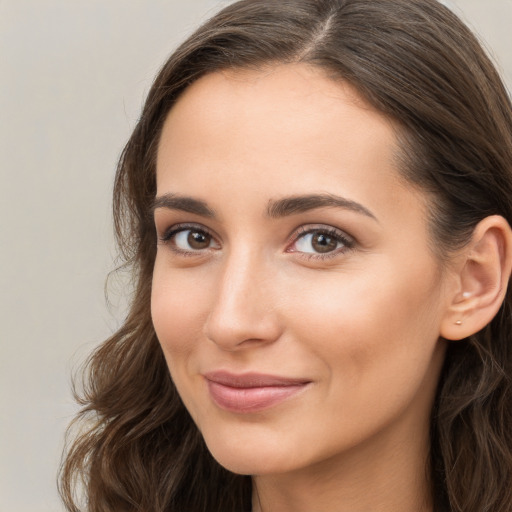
{"x": 388, "y": 474}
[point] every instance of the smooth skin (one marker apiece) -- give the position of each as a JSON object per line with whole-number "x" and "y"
{"x": 343, "y": 290}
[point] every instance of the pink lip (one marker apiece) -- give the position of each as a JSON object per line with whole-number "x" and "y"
{"x": 251, "y": 392}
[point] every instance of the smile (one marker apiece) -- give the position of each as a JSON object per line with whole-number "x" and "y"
{"x": 251, "y": 392}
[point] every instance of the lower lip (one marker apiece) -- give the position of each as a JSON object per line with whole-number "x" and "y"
{"x": 247, "y": 400}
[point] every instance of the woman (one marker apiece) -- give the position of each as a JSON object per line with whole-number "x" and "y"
{"x": 315, "y": 204}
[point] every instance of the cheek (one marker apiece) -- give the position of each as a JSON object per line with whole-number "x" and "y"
{"x": 378, "y": 327}
{"x": 178, "y": 309}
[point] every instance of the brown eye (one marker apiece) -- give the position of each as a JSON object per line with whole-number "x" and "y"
{"x": 191, "y": 240}
{"x": 198, "y": 240}
{"x": 322, "y": 242}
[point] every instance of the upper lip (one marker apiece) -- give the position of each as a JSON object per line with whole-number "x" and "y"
{"x": 251, "y": 379}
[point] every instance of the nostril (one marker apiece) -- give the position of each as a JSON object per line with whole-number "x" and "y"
{"x": 242, "y": 312}
{"x": 243, "y": 328}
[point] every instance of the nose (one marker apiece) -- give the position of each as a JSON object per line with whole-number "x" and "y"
{"x": 244, "y": 311}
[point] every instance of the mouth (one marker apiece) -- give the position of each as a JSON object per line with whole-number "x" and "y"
{"x": 251, "y": 392}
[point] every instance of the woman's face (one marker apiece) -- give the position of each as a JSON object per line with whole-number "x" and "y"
{"x": 295, "y": 292}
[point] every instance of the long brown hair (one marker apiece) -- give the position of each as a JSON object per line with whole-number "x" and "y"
{"x": 137, "y": 448}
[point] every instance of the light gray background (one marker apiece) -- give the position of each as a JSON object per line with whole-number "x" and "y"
{"x": 73, "y": 74}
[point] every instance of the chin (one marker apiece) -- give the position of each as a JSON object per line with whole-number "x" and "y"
{"x": 250, "y": 465}
{"x": 250, "y": 458}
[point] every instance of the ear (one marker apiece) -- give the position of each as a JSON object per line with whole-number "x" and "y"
{"x": 482, "y": 276}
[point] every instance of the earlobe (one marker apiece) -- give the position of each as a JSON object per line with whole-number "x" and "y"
{"x": 483, "y": 277}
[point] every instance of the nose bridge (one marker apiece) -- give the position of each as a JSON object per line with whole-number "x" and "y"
{"x": 243, "y": 306}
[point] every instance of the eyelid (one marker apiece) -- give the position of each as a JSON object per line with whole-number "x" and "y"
{"x": 167, "y": 235}
{"x": 347, "y": 240}
{"x": 183, "y": 226}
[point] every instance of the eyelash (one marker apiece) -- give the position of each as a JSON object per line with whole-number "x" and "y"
{"x": 170, "y": 233}
{"x": 339, "y": 236}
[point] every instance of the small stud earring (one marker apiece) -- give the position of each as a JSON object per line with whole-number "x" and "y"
{"x": 458, "y": 322}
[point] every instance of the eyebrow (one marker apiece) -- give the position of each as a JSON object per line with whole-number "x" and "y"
{"x": 183, "y": 203}
{"x": 300, "y": 204}
{"x": 276, "y": 208}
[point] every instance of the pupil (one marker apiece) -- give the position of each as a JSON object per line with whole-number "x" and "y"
{"x": 323, "y": 243}
{"x": 198, "y": 240}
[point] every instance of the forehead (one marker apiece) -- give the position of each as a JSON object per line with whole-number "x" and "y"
{"x": 281, "y": 86}
{"x": 279, "y": 94}
{"x": 288, "y": 129}
{"x": 273, "y": 109}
